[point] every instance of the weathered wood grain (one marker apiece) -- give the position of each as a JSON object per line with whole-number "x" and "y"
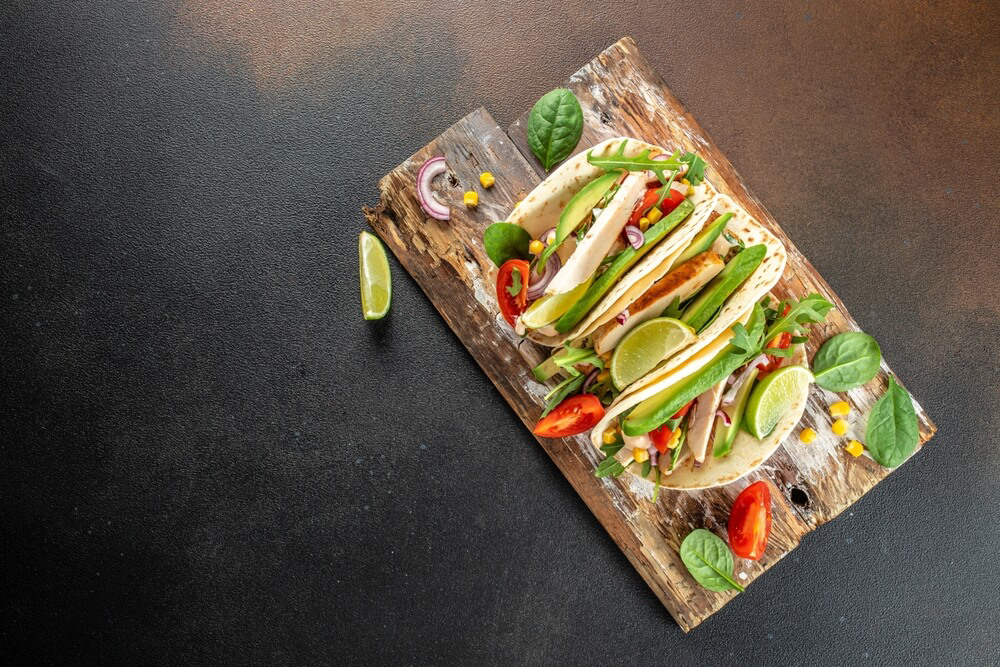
{"x": 620, "y": 94}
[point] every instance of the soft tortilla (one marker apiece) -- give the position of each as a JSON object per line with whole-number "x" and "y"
{"x": 539, "y": 211}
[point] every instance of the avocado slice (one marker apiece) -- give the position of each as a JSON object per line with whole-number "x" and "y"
{"x": 546, "y": 370}
{"x": 578, "y": 208}
{"x": 725, "y": 435}
{"x": 658, "y": 408}
{"x": 705, "y": 238}
{"x": 622, "y": 263}
{"x": 700, "y": 311}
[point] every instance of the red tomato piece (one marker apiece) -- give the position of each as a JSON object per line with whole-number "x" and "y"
{"x": 510, "y": 305}
{"x": 669, "y": 203}
{"x": 750, "y": 521}
{"x": 574, "y": 415}
{"x": 661, "y": 435}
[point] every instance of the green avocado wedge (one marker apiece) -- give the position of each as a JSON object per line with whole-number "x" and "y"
{"x": 658, "y": 408}
{"x": 578, "y": 208}
{"x": 704, "y": 239}
{"x": 700, "y": 312}
{"x": 622, "y": 263}
{"x": 725, "y": 435}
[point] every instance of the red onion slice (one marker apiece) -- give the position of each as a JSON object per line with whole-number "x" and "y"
{"x": 654, "y": 457}
{"x": 591, "y": 376}
{"x": 726, "y": 419}
{"x": 634, "y": 236}
{"x": 548, "y": 236}
{"x": 432, "y": 207}
{"x": 538, "y": 282}
{"x": 622, "y": 317}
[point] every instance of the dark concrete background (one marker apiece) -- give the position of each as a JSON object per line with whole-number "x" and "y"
{"x": 209, "y": 457}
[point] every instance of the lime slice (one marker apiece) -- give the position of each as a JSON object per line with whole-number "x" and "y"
{"x": 644, "y": 347}
{"x": 549, "y": 308}
{"x": 376, "y": 281}
{"x": 773, "y": 396}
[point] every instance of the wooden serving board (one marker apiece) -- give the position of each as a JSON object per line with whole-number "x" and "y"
{"x": 621, "y": 95}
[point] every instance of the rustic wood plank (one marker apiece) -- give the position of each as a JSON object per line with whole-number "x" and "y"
{"x": 620, "y": 94}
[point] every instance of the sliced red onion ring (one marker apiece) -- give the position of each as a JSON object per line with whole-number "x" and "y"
{"x": 622, "y": 317}
{"x": 432, "y": 207}
{"x": 741, "y": 380}
{"x": 654, "y": 456}
{"x": 538, "y": 282}
{"x": 591, "y": 376}
{"x": 634, "y": 236}
{"x": 548, "y": 236}
{"x": 726, "y": 419}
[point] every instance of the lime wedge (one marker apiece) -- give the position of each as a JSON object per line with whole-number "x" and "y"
{"x": 773, "y": 396}
{"x": 376, "y": 281}
{"x": 643, "y": 348}
{"x": 549, "y": 308}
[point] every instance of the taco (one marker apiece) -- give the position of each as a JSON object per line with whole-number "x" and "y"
{"x": 698, "y": 421}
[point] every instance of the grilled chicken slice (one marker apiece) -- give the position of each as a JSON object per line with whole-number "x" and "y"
{"x": 683, "y": 282}
{"x": 702, "y": 420}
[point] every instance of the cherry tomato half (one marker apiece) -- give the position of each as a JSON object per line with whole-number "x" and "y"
{"x": 512, "y": 305}
{"x": 661, "y": 435}
{"x": 669, "y": 203}
{"x": 574, "y": 415}
{"x": 750, "y": 521}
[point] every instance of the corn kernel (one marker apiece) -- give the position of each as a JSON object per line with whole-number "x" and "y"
{"x": 643, "y": 223}
{"x": 535, "y": 247}
{"x": 854, "y": 448}
{"x": 690, "y": 191}
{"x": 840, "y": 427}
{"x": 840, "y": 409}
{"x": 486, "y": 179}
{"x": 675, "y": 438}
{"x": 640, "y": 455}
{"x": 603, "y": 375}
{"x": 685, "y": 181}
{"x": 471, "y": 199}
{"x": 807, "y": 435}
{"x": 654, "y": 215}
{"x": 610, "y": 436}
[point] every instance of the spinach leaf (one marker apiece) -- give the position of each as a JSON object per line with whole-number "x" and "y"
{"x": 892, "y": 433}
{"x": 555, "y": 126}
{"x": 846, "y": 361}
{"x": 504, "y": 241}
{"x": 709, "y": 560}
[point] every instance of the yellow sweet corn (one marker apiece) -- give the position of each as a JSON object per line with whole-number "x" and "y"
{"x": 486, "y": 179}
{"x": 603, "y": 375}
{"x": 807, "y": 435}
{"x": 840, "y": 409}
{"x": 854, "y": 448}
{"x": 840, "y": 427}
{"x": 685, "y": 181}
{"x": 471, "y": 199}
{"x": 644, "y": 223}
{"x": 535, "y": 247}
{"x": 654, "y": 215}
{"x": 640, "y": 455}
{"x": 610, "y": 436}
{"x": 690, "y": 191}
{"x": 675, "y": 437}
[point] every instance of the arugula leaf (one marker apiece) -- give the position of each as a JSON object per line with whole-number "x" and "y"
{"x": 515, "y": 283}
{"x": 812, "y": 309}
{"x": 613, "y": 448}
{"x": 696, "y": 168}
{"x": 674, "y": 310}
{"x": 735, "y": 241}
{"x": 609, "y": 467}
{"x": 641, "y": 162}
{"x": 555, "y": 126}
{"x": 504, "y": 241}
{"x": 567, "y": 387}
{"x": 647, "y": 467}
{"x": 573, "y": 356}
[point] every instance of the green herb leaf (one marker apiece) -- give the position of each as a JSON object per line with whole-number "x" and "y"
{"x": 647, "y": 467}
{"x": 504, "y": 241}
{"x": 846, "y": 361}
{"x": 573, "y": 356}
{"x": 641, "y": 162}
{"x": 609, "y": 467}
{"x": 892, "y": 432}
{"x": 709, "y": 560}
{"x": 696, "y": 168}
{"x": 515, "y": 283}
{"x": 656, "y": 486}
{"x": 810, "y": 310}
{"x": 567, "y": 387}
{"x": 555, "y": 126}
{"x": 674, "y": 310}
